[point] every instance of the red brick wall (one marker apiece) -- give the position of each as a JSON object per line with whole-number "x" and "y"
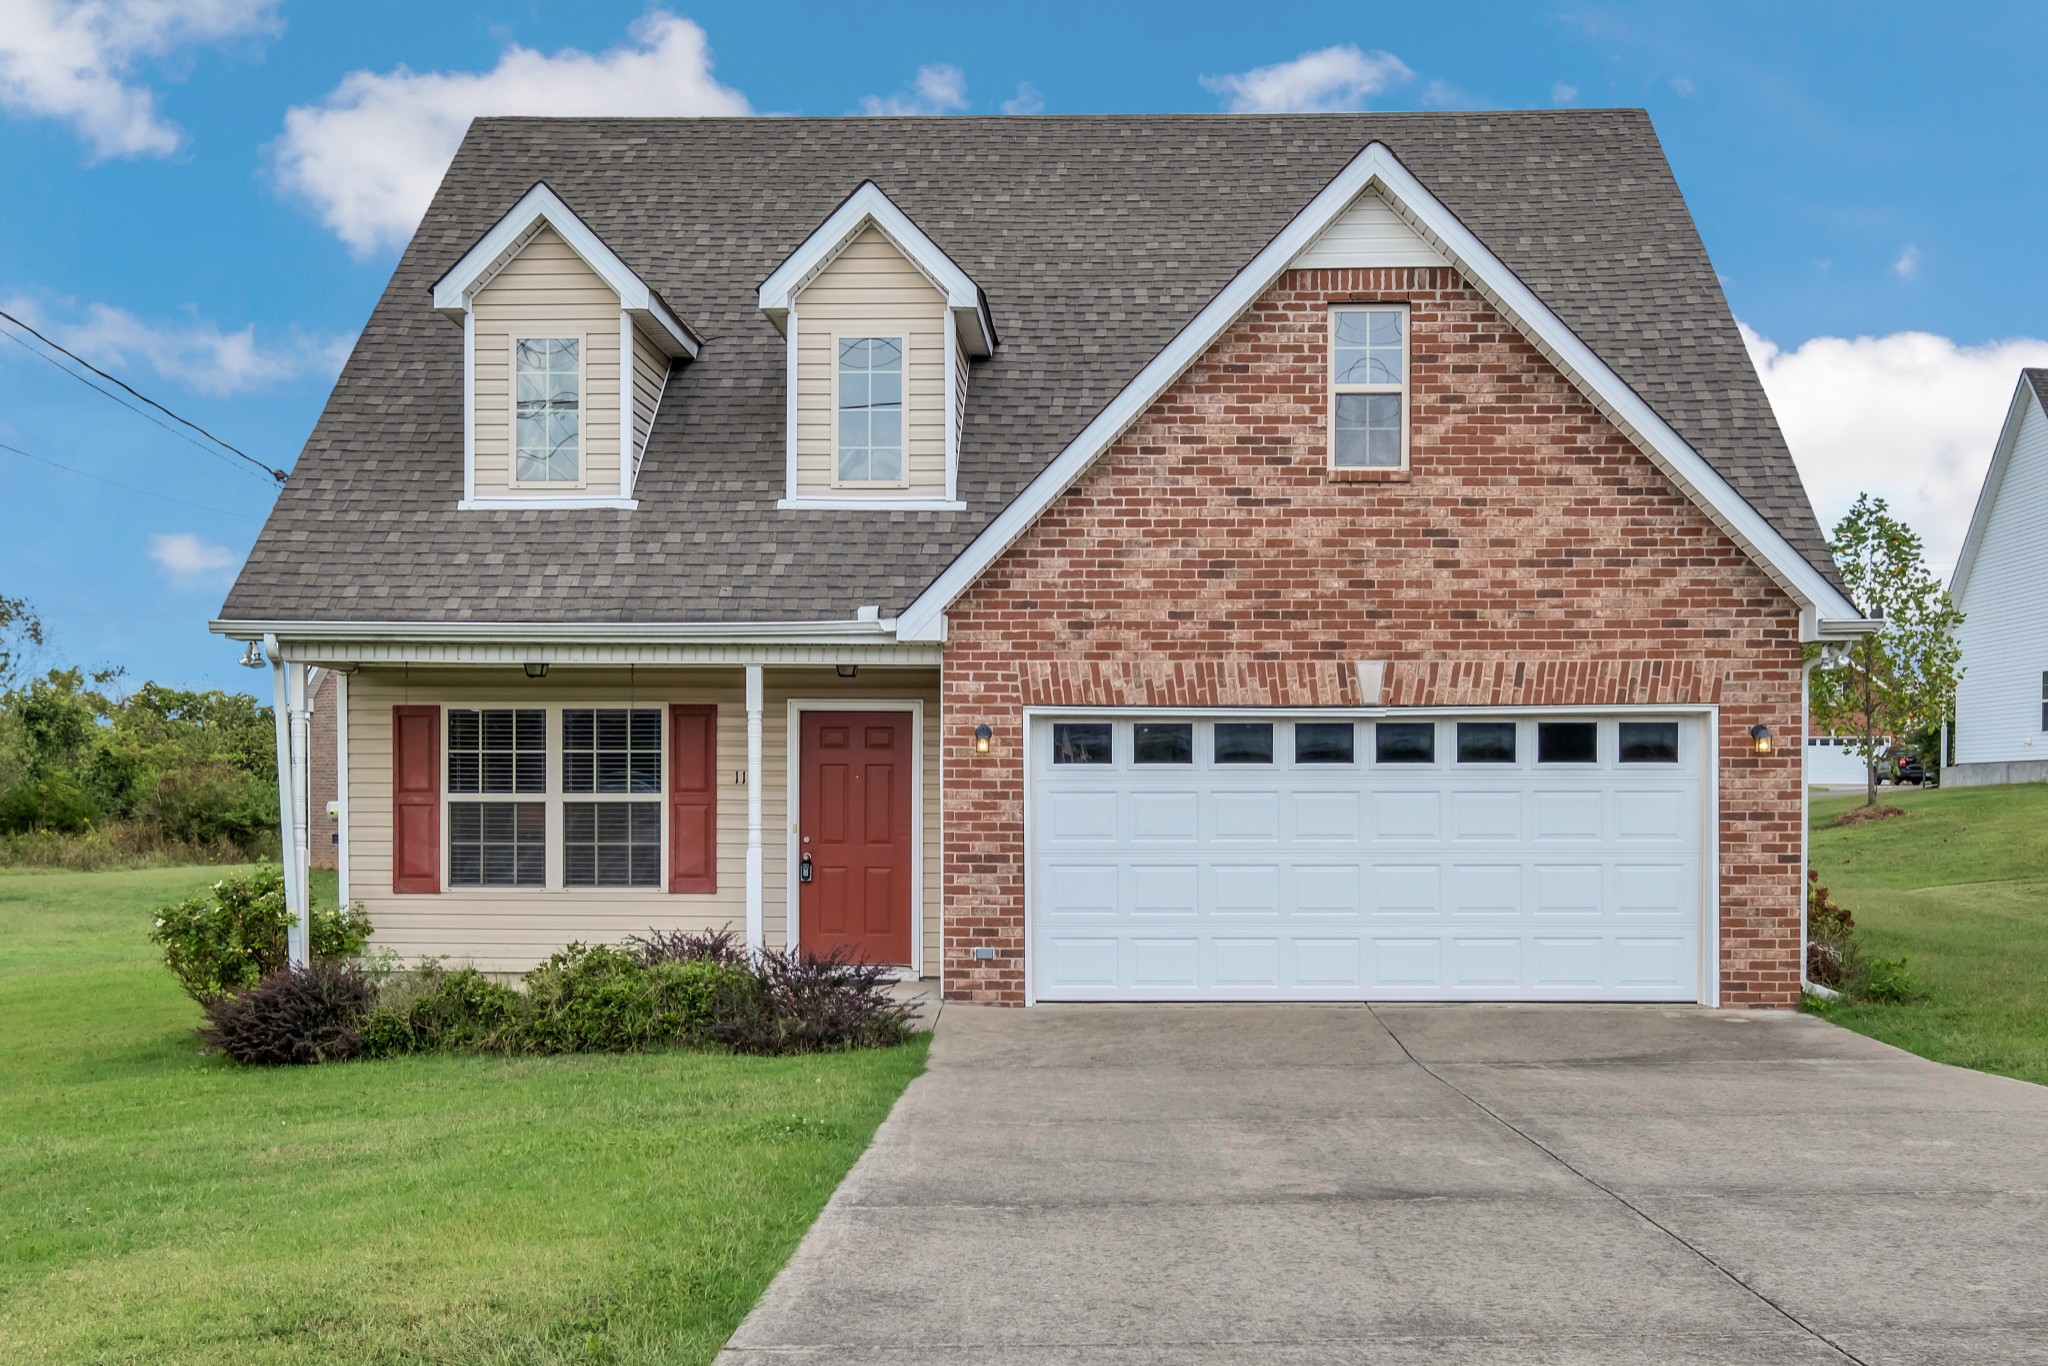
{"x": 1534, "y": 556}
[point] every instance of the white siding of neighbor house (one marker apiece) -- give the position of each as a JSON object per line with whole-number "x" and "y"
{"x": 1368, "y": 234}
{"x": 546, "y": 291}
{"x": 2005, "y": 646}
{"x": 650, "y": 380}
{"x": 503, "y": 930}
{"x": 872, "y": 289}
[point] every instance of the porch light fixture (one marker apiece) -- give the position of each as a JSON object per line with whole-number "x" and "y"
{"x": 252, "y": 658}
{"x": 982, "y": 735}
{"x": 536, "y": 671}
{"x": 848, "y": 670}
{"x": 1760, "y": 738}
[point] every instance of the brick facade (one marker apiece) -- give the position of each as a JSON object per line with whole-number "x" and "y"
{"x": 1533, "y": 556}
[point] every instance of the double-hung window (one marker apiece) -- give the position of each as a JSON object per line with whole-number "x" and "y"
{"x": 1369, "y": 387}
{"x": 547, "y": 378}
{"x": 497, "y": 797}
{"x": 611, "y": 807}
{"x": 868, "y": 437}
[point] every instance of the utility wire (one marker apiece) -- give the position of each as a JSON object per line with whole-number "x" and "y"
{"x": 132, "y": 488}
{"x": 277, "y": 474}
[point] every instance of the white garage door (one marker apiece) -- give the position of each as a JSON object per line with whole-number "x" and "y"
{"x": 1467, "y": 858}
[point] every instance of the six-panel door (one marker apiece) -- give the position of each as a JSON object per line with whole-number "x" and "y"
{"x": 854, "y": 828}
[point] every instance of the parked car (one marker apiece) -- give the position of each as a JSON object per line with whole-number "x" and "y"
{"x": 1905, "y": 767}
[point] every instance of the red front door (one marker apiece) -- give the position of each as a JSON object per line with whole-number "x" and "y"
{"x": 853, "y": 827}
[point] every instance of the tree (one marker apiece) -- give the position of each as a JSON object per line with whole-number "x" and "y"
{"x": 21, "y": 635}
{"x": 1897, "y": 680}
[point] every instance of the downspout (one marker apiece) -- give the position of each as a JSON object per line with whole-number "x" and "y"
{"x": 1806, "y": 821}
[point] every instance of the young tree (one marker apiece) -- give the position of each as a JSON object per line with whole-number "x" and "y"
{"x": 1898, "y": 679}
{"x": 21, "y": 636}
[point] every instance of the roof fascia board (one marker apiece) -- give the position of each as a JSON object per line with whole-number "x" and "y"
{"x": 923, "y": 619}
{"x": 2023, "y": 398}
{"x": 866, "y": 205}
{"x": 881, "y": 631}
{"x": 511, "y": 233}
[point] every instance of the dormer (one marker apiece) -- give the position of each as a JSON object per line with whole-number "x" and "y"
{"x": 552, "y": 323}
{"x": 880, "y": 325}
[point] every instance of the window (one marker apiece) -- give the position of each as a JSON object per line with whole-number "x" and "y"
{"x": 547, "y": 375}
{"x": 1649, "y": 742}
{"x": 1081, "y": 742}
{"x": 1244, "y": 742}
{"x": 1163, "y": 742}
{"x": 1405, "y": 742}
{"x": 497, "y": 754}
{"x": 1567, "y": 742}
{"x": 870, "y": 417}
{"x": 1322, "y": 742}
{"x": 611, "y": 752}
{"x": 497, "y": 844}
{"x": 1486, "y": 742}
{"x": 1368, "y": 388}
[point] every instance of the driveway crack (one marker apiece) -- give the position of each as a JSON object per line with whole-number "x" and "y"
{"x": 1540, "y": 1146}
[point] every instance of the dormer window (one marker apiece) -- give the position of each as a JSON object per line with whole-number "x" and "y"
{"x": 869, "y": 437}
{"x": 548, "y": 382}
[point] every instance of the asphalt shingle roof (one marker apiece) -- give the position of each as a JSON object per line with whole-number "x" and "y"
{"x": 2039, "y": 379}
{"x": 1095, "y": 240}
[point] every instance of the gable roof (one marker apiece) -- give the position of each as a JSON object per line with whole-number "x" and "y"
{"x": 2030, "y": 395}
{"x": 1094, "y": 240}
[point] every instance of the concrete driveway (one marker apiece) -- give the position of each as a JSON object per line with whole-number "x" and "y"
{"x": 1210, "y": 1184}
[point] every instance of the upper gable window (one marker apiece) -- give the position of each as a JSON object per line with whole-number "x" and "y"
{"x": 1369, "y": 388}
{"x": 868, "y": 436}
{"x": 548, "y": 379}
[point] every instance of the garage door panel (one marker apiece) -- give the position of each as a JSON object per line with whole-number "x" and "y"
{"x": 1427, "y": 881}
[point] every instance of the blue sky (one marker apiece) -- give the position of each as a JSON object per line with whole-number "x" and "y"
{"x": 218, "y": 190}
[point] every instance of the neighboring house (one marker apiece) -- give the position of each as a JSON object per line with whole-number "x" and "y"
{"x": 2001, "y": 579}
{"x": 1129, "y": 558}
{"x": 1832, "y": 762}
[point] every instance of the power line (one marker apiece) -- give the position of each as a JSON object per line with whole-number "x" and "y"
{"x": 132, "y": 488}
{"x": 278, "y": 475}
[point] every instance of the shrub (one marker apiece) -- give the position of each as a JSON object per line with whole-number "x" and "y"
{"x": 590, "y": 998}
{"x": 712, "y": 946}
{"x": 1885, "y": 981}
{"x": 232, "y": 935}
{"x": 809, "y": 1003}
{"x": 53, "y": 802}
{"x": 431, "y": 1009}
{"x": 1828, "y": 935}
{"x": 296, "y": 1016}
{"x": 208, "y": 803}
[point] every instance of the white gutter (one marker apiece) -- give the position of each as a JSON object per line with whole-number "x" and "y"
{"x": 878, "y": 631}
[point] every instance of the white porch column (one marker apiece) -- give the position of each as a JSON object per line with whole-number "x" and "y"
{"x": 756, "y": 919}
{"x": 288, "y": 712}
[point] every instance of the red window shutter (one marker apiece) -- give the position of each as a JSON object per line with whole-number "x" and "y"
{"x": 692, "y": 799}
{"x": 415, "y": 799}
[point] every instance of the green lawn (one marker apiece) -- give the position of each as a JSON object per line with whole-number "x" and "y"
{"x": 159, "y": 1206}
{"x": 1958, "y": 887}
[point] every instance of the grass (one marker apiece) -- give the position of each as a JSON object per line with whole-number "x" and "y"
{"x": 156, "y": 1205}
{"x": 1959, "y": 888}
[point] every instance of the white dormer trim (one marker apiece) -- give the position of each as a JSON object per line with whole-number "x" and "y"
{"x": 2024, "y": 398}
{"x": 1825, "y": 611}
{"x": 541, "y": 207}
{"x": 868, "y": 205}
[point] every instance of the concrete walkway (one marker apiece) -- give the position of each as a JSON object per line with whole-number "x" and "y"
{"x": 1309, "y": 1185}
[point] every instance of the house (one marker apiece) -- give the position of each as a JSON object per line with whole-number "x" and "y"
{"x": 2001, "y": 720}
{"x": 1126, "y": 558}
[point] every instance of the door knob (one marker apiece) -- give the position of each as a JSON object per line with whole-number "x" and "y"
{"x": 803, "y": 869}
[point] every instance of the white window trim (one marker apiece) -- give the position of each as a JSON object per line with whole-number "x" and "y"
{"x": 582, "y": 479}
{"x": 792, "y": 765}
{"x": 554, "y": 798}
{"x": 878, "y": 332}
{"x": 1401, "y": 390}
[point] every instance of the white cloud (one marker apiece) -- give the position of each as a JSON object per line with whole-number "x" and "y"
{"x": 189, "y": 561}
{"x": 1908, "y": 264}
{"x": 1333, "y": 78}
{"x": 75, "y": 60}
{"x": 1027, "y": 100}
{"x": 369, "y": 155}
{"x": 1910, "y": 417}
{"x": 1683, "y": 85}
{"x": 1564, "y": 92}
{"x": 194, "y": 352}
{"x": 940, "y": 88}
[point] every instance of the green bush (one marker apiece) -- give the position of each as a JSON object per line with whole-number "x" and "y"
{"x": 54, "y": 801}
{"x": 431, "y": 1009}
{"x": 1883, "y": 980}
{"x": 209, "y": 802}
{"x": 234, "y": 934}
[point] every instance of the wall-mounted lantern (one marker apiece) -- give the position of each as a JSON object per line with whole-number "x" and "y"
{"x": 1760, "y": 738}
{"x": 982, "y": 735}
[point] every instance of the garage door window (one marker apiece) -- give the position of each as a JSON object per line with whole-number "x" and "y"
{"x": 1323, "y": 742}
{"x": 1244, "y": 742}
{"x": 1405, "y": 742}
{"x": 1567, "y": 742}
{"x": 1163, "y": 742}
{"x": 1081, "y": 742}
{"x": 1486, "y": 742}
{"x": 1649, "y": 742}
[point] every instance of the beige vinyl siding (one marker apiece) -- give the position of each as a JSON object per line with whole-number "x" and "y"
{"x": 650, "y": 378}
{"x": 546, "y": 291}
{"x": 1366, "y": 235}
{"x": 959, "y": 394}
{"x": 503, "y": 930}
{"x": 871, "y": 289}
